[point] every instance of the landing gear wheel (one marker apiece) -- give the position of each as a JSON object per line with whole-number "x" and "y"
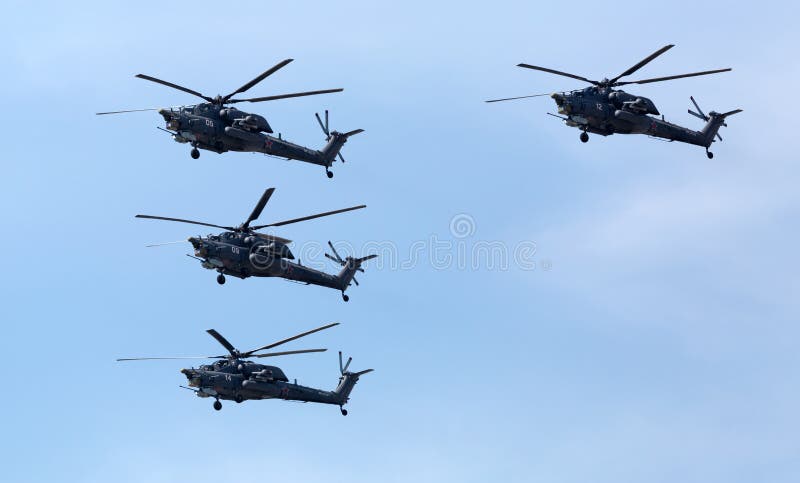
{"x": 239, "y": 399}
{"x": 217, "y": 405}
{"x": 584, "y": 137}
{"x": 710, "y": 154}
{"x": 345, "y": 297}
{"x": 329, "y": 173}
{"x": 221, "y": 279}
{"x": 344, "y": 411}
{"x": 195, "y": 153}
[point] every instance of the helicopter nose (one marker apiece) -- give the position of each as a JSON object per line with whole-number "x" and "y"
{"x": 199, "y": 247}
{"x": 191, "y": 375}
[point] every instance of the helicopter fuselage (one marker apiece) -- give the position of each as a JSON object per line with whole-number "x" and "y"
{"x": 220, "y": 128}
{"x": 244, "y": 255}
{"x": 240, "y": 380}
{"x": 607, "y": 111}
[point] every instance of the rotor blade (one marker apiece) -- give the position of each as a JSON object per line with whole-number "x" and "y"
{"x": 557, "y": 72}
{"x": 347, "y": 365}
{"x": 258, "y": 79}
{"x": 174, "y": 86}
{"x": 311, "y": 217}
{"x": 338, "y": 258}
{"x": 700, "y": 111}
{"x": 168, "y": 358}
{"x": 151, "y": 217}
{"x": 129, "y": 110}
{"x": 280, "y": 342}
{"x": 659, "y": 79}
{"x": 643, "y": 62}
{"x": 285, "y": 96}
{"x": 515, "y": 98}
{"x": 222, "y": 340}
{"x": 259, "y": 206}
{"x": 286, "y": 353}
{"x": 165, "y": 243}
{"x": 703, "y": 117}
{"x": 323, "y": 126}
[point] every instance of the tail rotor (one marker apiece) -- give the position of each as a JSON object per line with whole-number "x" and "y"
{"x": 336, "y": 258}
{"x": 335, "y": 141}
{"x": 702, "y": 115}
{"x": 328, "y": 134}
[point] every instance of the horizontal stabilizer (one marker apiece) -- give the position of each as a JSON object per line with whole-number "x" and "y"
{"x": 353, "y": 132}
{"x": 731, "y": 113}
{"x": 364, "y": 259}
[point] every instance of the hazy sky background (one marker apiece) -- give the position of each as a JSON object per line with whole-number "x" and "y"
{"x": 660, "y": 346}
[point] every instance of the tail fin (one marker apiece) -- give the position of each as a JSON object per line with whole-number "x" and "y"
{"x": 335, "y": 141}
{"x": 351, "y": 266}
{"x": 347, "y": 380}
{"x": 714, "y": 121}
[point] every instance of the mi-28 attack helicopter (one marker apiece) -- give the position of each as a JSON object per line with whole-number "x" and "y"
{"x": 232, "y": 377}
{"x": 216, "y": 127}
{"x": 601, "y": 109}
{"x": 241, "y": 251}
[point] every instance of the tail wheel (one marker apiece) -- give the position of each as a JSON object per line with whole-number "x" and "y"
{"x": 344, "y": 411}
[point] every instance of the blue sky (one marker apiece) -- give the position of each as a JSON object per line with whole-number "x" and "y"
{"x": 658, "y": 345}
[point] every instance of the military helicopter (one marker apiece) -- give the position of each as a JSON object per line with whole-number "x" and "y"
{"x": 241, "y": 251}
{"x": 601, "y": 109}
{"x": 215, "y": 126}
{"x": 232, "y": 377}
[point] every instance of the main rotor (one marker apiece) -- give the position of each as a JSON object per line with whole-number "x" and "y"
{"x": 235, "y": 354}
{"x": 246, "y": 226}
{"x": 615, "y": 81}
{"x": 220, "y": 100}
